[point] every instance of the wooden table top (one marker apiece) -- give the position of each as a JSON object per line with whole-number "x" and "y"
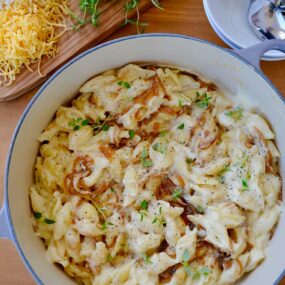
{"x": 179, "y": 16}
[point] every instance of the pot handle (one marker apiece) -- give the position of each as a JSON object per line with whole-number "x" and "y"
{"x": 254, "y": 53}
{"x": 5, "y": 231}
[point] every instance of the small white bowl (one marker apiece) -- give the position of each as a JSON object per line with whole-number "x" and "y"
{"x": 229, "y": 20}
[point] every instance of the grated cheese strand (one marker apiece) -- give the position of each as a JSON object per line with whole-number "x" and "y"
{"x": 29, "y": 30}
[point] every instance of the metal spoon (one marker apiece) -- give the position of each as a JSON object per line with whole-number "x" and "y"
{"x": 267, "y": 18}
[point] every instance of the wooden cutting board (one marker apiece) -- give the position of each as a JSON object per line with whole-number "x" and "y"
{"x": 71, "y": 44}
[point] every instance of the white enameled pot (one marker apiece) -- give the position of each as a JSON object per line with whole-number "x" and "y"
{"x": 237, "y": 72}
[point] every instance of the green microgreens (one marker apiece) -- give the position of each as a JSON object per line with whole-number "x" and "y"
{"x": 49, "y": 221}
{"x": 76, "y": 124}
{"x": 236, "y": 114}
{"x": 244, "y": 185}
{"x": 131, "y": 134}
{"x": 144, "y": 160}
{"x": 181, "y": 127}
{"x": 202, "y": 101}
{"x": 177, "y": 193}
{"x": 105, "y": 225}
{"x": 125, "y": 84}
{"x": 180, "y": 103}
{"x": 159, "y": 147}
{"x": 37, "y": 215}
{"x": 146, "y": 259}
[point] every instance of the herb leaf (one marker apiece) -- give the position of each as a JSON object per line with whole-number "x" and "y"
{"x": 49, "y": 221}
{"x": 177, "y": 193}
{"x": 181, "y": 127}
{"x": 202, "y": 101}
{"x": 37, "y": 215}
{"x": 131, "y": 134}
{"x": 105, "y": 225}
{"x": 244, "y": 185}
{"x": 125, "y": 84}
{"x": 147, "y": 259}
{"x": 105, "y": 128}
{"x": 236, "y": 114}
{"x": 144, "y": 205}
{"x": 159, "y": 147}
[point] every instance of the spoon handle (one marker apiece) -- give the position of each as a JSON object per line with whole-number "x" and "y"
{"x": 254, "y": 53}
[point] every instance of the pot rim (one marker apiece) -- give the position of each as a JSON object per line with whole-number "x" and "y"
{"x": 62, "y": 69}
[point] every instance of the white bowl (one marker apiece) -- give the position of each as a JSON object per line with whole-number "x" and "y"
{"x": 221, "y": 65}
{"x": 229, "y": 20}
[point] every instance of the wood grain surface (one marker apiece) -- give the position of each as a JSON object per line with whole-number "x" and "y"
{"x": 70, "y": 44}
{"x": 180, "y": 16}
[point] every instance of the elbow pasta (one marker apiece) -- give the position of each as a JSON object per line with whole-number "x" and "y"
{"x": 153, "y": 176}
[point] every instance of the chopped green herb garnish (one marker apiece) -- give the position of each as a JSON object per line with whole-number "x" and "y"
{"x": 177, "y": 193}
{"x": 85, "y": 122}
{"x": 154, "y": 220}
{"x": 125, "y": 84}
{"x": 131, "y": 134}
{"x": 236, "y": 114}
{"x": 180, "y": 103}
{"x": 244, "y": 185}
{"x": 143, "y": 214}
{"x": 181, "y": 127}
{"x": 159, "y": 147}
{"x": 144, "y": 153}
{"x": 145, "y": 162}
{"x": 202, "y": 101}
{"x": 200, "y": 209}
{"x": 163, "y": 133}
{"x": 105, "y": 225}
{"x": 147, "y": 259}
{"x": 186, "y": 255}
{"x": 105, "y": 128}
{"x": 37, "y": 215}
{"x": 189, "y": 160}
{"x": 112, "y": 190}
{"x": 144, "y": 205}
{"x": 76, "y": 124}
{"x": 49, "y": 221}
{"x": 160, "y": 210}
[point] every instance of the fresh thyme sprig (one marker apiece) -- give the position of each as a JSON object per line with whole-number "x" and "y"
{"x": 91, "y": 14}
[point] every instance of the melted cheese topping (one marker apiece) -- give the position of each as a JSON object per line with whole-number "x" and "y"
{"x": 153, "y": 176}
{"x": 28, "y": 31}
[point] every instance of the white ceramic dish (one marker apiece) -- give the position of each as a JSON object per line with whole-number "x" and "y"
{"x": 229, "y": 20}
{"x": 221, "y": 65}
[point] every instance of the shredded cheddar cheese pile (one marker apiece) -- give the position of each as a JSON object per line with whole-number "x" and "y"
{"x": 29, "y": 30}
